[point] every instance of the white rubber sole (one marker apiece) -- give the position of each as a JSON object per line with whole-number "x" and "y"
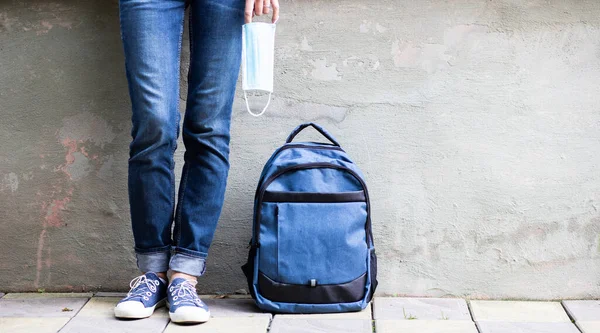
{"x": 189, "y": 315}
{"x": 129, "y": 313}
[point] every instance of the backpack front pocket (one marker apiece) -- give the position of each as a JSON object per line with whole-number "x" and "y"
{"x": 320, "y": 237}
{"x": 332, "y": 249}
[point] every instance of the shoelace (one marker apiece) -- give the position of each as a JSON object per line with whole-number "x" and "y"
{"x": 140, "y": 286}
{"x": 185, "y": 292}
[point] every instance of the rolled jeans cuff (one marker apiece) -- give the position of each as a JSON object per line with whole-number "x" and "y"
{"x": 153, "y": 261}
{"x": 188, "y": 264}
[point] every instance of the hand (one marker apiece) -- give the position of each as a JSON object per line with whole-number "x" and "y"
{"x": 259, "y": 7}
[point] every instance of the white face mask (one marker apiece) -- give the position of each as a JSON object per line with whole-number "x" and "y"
{"x": 258, "y": 52}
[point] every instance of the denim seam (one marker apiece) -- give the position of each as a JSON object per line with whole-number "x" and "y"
{"x": 177, "y": 218}
{"x": 180, "y": 204}
{"x": 185, "y": 168}
{"x": 121, "y": 27}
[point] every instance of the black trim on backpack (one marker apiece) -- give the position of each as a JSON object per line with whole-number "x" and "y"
{"x": 276, "y": 196}
{"x": 297, "y": 145}
{"x": 248, "y": 269}
{"x": 373, "y": 271}
{"x": 352, "y": 291}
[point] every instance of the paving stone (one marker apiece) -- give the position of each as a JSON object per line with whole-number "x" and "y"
{"x": 97, "y": 316}
{"x": 154, "y": 324}
{"x": 1, "y": 294}
{"x": 506, "y": 327}
{"x": 46, "y": 295}
{"x": 40, "y": 307}
{"x": 28, "y": 324}
{"x": 400, "y": 308}
{"x": 104, "y": 307}
{"x": 589, "y": 326}
{"x": 224, "y": 325}
{"x": 516, "y": 311}
{"x": 425, "y": 326}
{"x": 583, "y": 310}
{"x": 301, "y": 324}
{"x": 364, "y": 314}
{"x": 234, "y": 308}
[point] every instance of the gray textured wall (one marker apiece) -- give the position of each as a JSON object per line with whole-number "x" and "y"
{"x": 476, "y": 123}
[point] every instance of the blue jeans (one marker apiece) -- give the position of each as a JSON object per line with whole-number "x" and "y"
{"x": 152, "y": 31}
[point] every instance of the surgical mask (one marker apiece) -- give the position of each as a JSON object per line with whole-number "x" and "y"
{"x": 258, "y": 51}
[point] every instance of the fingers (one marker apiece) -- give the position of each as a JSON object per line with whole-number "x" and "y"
{"x": 248, "y": 11}
{"x": 275, "y": 5}
{"x": 258, "y": 7}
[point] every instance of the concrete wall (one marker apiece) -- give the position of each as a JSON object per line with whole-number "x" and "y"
{"x": 476, "y": 123}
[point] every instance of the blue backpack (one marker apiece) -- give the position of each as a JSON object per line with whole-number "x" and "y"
{"x": 312, "y": 246}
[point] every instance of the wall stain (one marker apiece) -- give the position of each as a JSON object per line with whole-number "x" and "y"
{"x": 427, "y": 57}
{"x": 368, "y": 26}
{"x": 304, "y": 45}
{"x": 105, "y": 171}
{"x": 40, "y": 259}
{"x": 54, "y": 208}
{"x": 71, "y": 146}
{"x": 86, "y": 126}
{"x": 322, "y": 72}
{"x": 83, "y": 128}
{"x": 76, "y": 164}
{"x": 433, "y": 57}
{"x": 10, "y": 181}
{"x": 52, "y": 213}
{"x": 6, "y": 22}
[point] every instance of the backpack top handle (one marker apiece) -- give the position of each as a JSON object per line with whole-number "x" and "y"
{"x": 315, "y": 126}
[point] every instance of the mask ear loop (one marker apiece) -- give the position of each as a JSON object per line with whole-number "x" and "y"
{"x": 248, "y": 106}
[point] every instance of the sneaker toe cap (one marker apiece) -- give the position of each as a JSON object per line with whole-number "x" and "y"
{"x": 190, "y": 314}
{"x": 129, "y": 308}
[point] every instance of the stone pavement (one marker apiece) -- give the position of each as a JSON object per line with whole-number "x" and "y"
{"x": 89, "y": 313}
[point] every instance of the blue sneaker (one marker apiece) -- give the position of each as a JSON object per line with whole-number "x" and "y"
{"x": 147, "y": 293}
{"x": 184, "y": 304}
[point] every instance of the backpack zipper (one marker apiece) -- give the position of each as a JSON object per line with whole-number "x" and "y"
{"x": 298, "y": 145}
{"x": 316, "y": 165}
